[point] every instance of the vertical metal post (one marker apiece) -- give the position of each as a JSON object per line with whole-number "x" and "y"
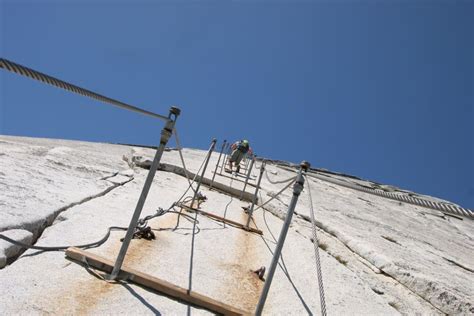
{"x": 226, "y": 156}
{"x": 213, "y": 144}
{"x": 297, "y": 188}
{"x": 217, "y": 164}
{"x": 248, "y": 175}
{"x": 254, "y": 200}
{"x": 211, "y": 149}
{"x": 166, "y": 133}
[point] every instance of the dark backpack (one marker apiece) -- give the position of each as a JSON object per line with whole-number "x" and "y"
{"x": 243, "y": 148}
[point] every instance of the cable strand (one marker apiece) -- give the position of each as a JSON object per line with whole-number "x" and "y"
{"x": 316, "y": 252}
{"x": 36, "y": 75}
{"x": 276, "y": 195}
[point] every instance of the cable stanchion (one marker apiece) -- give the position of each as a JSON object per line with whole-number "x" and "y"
{"x": 226, "y": 157}
{"x": 36, "y": 75}
{"x": 182, "y": 198}
{"x": 231, "y": 199}
{"x": 211, "y": 149}
{"x": 254, "y": 199}
{"x": 218, "y": 161}
{"x": 208, "y": 157}
{"x": 248, "y": 176}
{"x": 298, "y": 187}
{"x": 165, "y": 136}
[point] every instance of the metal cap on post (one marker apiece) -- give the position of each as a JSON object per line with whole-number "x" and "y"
{"x": 297, "y": 188}
{"x": 175, "y": 111}
{"x": 166, "y": 133}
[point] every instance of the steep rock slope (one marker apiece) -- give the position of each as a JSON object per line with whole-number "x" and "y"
{"x": 380, "y": 256}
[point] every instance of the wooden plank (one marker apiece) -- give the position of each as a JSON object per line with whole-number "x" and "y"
{"x": 236, "y": 179}
{"x": 222, "y": 219}
{"x": 154, "y": 283}
{"x": 246, "y": 196}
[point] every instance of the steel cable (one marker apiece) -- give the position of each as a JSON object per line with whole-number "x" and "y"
{"x": 438, "y": 206}
{"x": 231, "y": 199}
{"x": 141, "y": 224}
{"x": 282, "y": 264}
{"x": 277, "y": 182}
{"x": 277, "y": 194}
{"x": 191, "y": 257}
{"x": 178, "y": 144}
{"x": 59, "y": 248}
{"x": 316, "y": 253}
{"x": 190, "y": 186}
{"x": 33, "y": 74}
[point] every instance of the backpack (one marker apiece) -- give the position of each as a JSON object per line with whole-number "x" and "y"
{"x": 243, "y": 148}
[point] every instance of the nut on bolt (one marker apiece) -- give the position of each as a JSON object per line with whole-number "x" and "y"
{"x": 175, "y": 110}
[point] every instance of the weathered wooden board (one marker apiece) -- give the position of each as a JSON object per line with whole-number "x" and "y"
{"x": 222, "y": 219}
{"x": 154, "y": 283}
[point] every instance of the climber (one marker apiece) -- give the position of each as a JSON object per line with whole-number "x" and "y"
{"x": 239, "y": 150}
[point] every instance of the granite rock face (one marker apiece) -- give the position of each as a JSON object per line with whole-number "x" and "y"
{"x": 9, "y": 250}
{"x": 379, "y": 256}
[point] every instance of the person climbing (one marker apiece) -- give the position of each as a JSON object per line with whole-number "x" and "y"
{"x": 239, "y": 150}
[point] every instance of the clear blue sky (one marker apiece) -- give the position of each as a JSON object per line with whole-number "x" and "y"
{"x": 379, "y": 89}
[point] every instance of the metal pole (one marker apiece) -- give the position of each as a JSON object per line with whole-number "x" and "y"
{"x": 166, "y": 133}
{"x": 224, "y": 161}
{"x": 254, "y": 200}
{"x": 213, "y": 144}
{"x": 217, "y": 164}
{"x": 297, "y": 188}
{"x": 209, "y": 153}
{"x": 248, "y": 176}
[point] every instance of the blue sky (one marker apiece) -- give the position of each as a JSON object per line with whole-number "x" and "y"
{"x": 379, "y": 89}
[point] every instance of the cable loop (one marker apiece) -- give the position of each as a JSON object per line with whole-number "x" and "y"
{"x": 277, "y": 182}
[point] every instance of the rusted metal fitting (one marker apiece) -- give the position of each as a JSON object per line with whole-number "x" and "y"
{"x": 260, "y": 273}
{"x": 143, "y": 233}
